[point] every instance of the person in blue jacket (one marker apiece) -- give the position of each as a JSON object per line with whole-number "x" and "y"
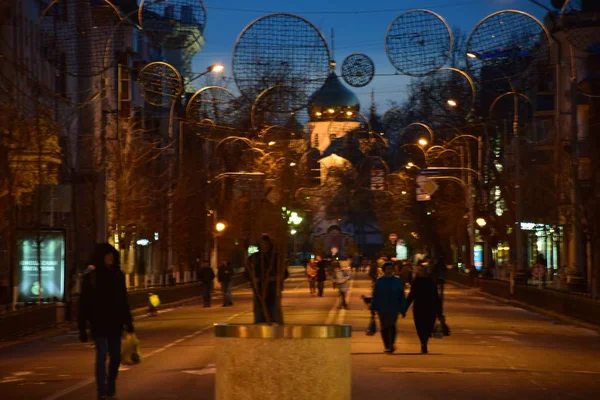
{"x": 388, "y": 301}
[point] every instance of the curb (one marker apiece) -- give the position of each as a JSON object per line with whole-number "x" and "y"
{"x": 537, "y": 310}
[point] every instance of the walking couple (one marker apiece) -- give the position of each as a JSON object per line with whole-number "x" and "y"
{"x": 389, "y": 302}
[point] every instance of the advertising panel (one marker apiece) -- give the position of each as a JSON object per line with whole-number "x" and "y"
{"x": 52, "y": 255}
{"x": 478, "y": 256}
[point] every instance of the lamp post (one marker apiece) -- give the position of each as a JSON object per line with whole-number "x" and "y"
{"x": 518, "y": 198}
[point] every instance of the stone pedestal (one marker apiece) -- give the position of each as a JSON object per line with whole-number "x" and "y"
{"x": 300, "y": 362}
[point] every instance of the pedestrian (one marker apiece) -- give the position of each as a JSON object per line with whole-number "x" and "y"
{"x": 373, "y": 273}
{"x": 265, "y": 268}
{"x": 321, "y": 274}
{"x": 427, "y": 306}
{"x": 103, "y": 304}
{"x": 341, "y": 277}
{"x": 406, "y": 273}
{"x": 388, "y": 301}
{"x": 356, "y": 263}
{"x": 225, "y": 274}
{"x": 207, "y": 277}
{"x": 311, "y": 272}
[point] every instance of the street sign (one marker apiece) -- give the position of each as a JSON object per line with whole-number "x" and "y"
{"x": 427, "y": 185}
{"x": 423, "y": 197}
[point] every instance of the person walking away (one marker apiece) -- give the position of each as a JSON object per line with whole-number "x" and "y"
{"x": 427, "y": 307}
{"x": 356, "y": 263}
{"x": 224, "y": 275}
{"x": 264, "y": 265}
{"x": 207, "y": 276}
{"x": 373, "y": 273}
{"x": 341, "y": 277}
{"x": 321, "y": 275}
{"x": 311, "y": 272}
{"x": 406, "y": 273}
{"x": 388, "y": 301}
{"x": 103, "y": 304}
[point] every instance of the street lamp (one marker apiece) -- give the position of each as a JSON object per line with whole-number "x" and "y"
{"x": 271, "y": 143}
{"x": 217, "y": 68}
{"x": 292, "y": 164}
{"x": 481, "y": 222}
{"x": 423, "y": 142}
{"x": 452, "y": 103}
{"x": 473, "y": 55}
{"x": 220, "y": 226}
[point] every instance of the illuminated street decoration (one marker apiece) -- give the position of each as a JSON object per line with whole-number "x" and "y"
{"x": 418, "y": 42}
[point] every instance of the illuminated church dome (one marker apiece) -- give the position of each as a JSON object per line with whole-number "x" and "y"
{"x": 333, "y": 102}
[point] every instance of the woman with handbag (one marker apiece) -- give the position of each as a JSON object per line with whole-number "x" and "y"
{"x": 427, "y": 305}
{"x": 388, "y": 301}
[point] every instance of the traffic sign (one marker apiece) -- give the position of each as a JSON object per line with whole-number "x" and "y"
{"x": 426, "y": 185}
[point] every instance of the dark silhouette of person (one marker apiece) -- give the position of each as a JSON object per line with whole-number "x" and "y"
{"x": 427, "y": 306}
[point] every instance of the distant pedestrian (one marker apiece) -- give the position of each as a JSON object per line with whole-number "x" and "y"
{"x": 341, "y": 277}
{"x": 103, "y": 304}
{"x": 311, "y": 273}
{"x": 265, "y": 268}
{"x": 224, "y": 275}
{"x": 374, "y": 272}
{"x": 388, "y": 301}
{"x": 321, "y": 274}
{"x": 207, "y": 277}
{"x": 406, "y": 273}
{"x": 427, "y": 306}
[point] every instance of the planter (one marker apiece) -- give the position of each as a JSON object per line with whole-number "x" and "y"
{"x": 300, "y": 362}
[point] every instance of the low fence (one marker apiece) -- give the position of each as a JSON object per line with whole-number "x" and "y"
{"x": 574, "y": 305}
{"x": 37, "y": 318}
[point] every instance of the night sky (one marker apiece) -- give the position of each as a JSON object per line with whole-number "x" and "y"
{"x": 360, "y": 26}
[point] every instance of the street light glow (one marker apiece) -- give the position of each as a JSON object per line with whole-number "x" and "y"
{"x": 318, "y": 113}
{"x": 331, "y": 111}
{"x": 404, "y": 192}
{"x": 220, "y": 226}
{"x": 271, "y": 143}
{"x": 481, "y": 222}
{"x": 473, "y": 55}
{"x": 292, "y": 164}
{"x": 293, "y": 232}
{"x": 349, "y": 113}
{"x": 452, "y": 103}
{"x": 216, "y": 68}
{"x": 423, "y": 142}
{"x": 409, "y": 165}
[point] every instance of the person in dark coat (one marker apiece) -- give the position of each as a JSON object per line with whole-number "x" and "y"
{"x": 427, "y": 307}
{"x": 388, "y": 301}
{"x": 262, "y": 271}
{"x": 103, "y": 305}
{"x": 321, "y": 274}
{"x": 225, "y": 274}
{"x": 207, "y": 277}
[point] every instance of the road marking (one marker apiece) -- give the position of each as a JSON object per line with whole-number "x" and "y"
{"x": 208, "y": 370}
{"x": 11, "y": 379}
{"x": 421, "y": 370}
{"x": 70, "y": 389}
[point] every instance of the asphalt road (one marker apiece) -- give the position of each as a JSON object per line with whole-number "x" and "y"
{"x": 495, "y": 352}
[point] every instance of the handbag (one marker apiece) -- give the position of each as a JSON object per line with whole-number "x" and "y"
{"x": 372, "y": 327}
{"x": 438, "y": 332}
{"x": 130, "y": 354}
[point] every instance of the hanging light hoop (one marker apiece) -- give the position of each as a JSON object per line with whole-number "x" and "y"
{"x": 105, "y": 63}
{"x": 191, "y": 102}
{"x": 370, "y": 71}
{"x": 439, "y": 17}
{"x": 484, "y": 20}
{"x": 152, "y": 2}
{"x": 255, "y": 107}
{"x": 238, "y": 79}
{"x": 173, "y": 96}
{"x": 469, "y": 79}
